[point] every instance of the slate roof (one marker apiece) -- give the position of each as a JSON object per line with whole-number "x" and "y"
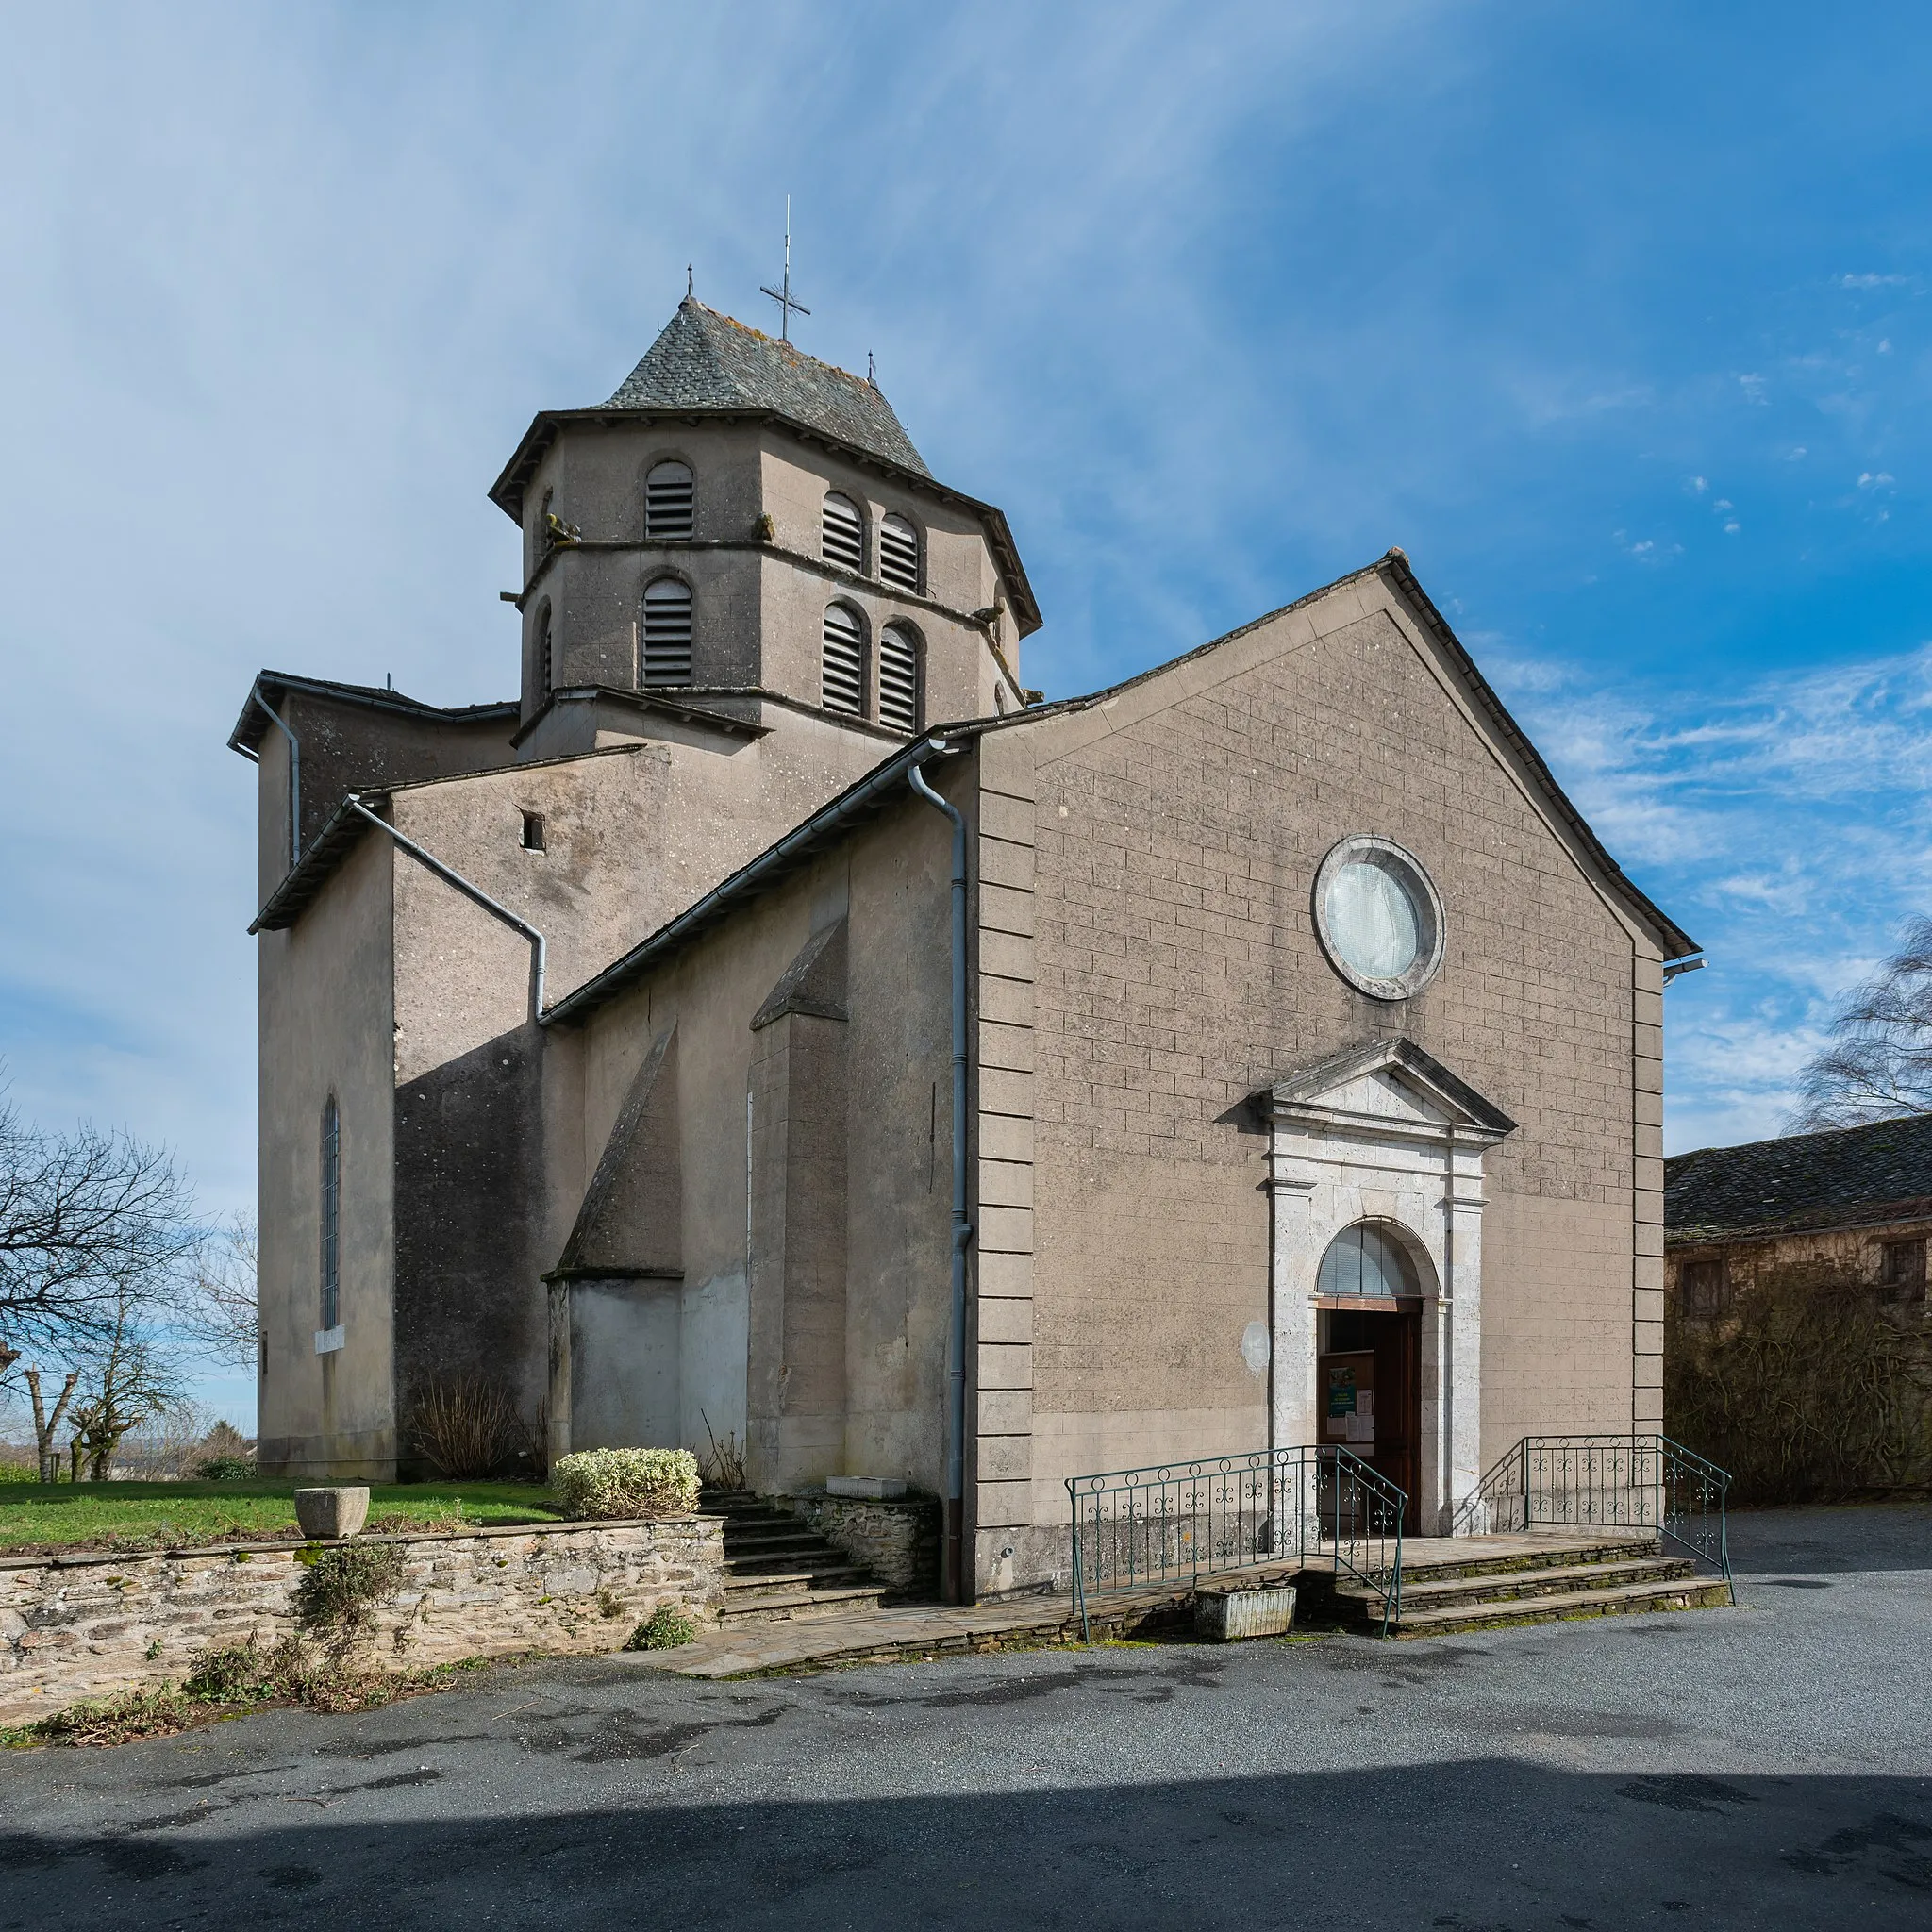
{"x": 1848, "y": 1177}
{"x": 706, "y": 360}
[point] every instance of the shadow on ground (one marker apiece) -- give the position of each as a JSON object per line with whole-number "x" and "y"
{"x": 1489, "y": 1843}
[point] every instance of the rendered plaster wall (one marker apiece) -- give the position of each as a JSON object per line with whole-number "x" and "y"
{"x": 83, "y": 1626}
{"x": 878, "y": 1241}
{"x": 326, "y": 1007}
{"x": 354, "y": 747}
{"x": 1169, "y": 946}
{"x": 490, "y": 1166}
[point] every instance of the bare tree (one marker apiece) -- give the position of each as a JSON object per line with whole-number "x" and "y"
{"x": 128, "y": 1381}
{"x": 1879, "y": 1063}
{"x": 46, "y": 1423}
{"x": 216, "y": 1315}
{"x": 86, "y": 1218}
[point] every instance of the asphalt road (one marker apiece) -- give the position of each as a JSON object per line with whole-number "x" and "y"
{"x": 1767, "y": 1767}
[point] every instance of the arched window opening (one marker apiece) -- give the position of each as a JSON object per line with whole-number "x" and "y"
{"x": 899, "y": 553}
{"x": 841, "y": 533}
{"x": 331, "y": 1211}
{"x": 668, "y": 503}
{"x": 1367, "y": 1261}
{"x": 899, "y": 677}
{"x": 667, "y": 631}
{"x": 546, "y": 671}
{"x": 841, "y": 664}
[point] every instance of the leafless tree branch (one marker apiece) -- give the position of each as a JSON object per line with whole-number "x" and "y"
{"x": 1878, "y": 1065}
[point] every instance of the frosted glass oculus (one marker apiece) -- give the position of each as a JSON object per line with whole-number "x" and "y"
{"x": 1378, "y": 917}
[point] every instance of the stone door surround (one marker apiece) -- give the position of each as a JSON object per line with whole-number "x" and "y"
{"x": 1384, "y": 1133}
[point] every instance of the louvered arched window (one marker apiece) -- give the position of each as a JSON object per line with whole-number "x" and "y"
{"x": 547, "y": 670}
{"x": 331, "y": 1215}
{"x": 842, "y": 532}
{"x": 899, "y": 677}
{"x": 668, "y": 503}
{"x": 667, "y": 631}
{"x": 841, "y": 664}
{"x": 899, "y": 553}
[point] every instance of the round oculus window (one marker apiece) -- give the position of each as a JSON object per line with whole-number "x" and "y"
{"x": 1378, "y": 917}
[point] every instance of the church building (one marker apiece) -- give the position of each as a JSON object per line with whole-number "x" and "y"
{"x": 778, "y": 1025}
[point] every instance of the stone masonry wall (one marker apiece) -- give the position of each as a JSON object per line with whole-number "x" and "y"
{"x": 81, "y": 1625}
{"x": 898, "y": 1542}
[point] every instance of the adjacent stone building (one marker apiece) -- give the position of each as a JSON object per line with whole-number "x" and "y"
{"x": 1852, "y": 1206}
{"x": 779, "y": 1025}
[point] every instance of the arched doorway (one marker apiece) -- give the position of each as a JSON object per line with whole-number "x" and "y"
{"x": 1369, "y": 1313}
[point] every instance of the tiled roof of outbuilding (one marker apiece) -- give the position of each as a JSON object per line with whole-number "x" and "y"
{"x": 706, "y": 360}
{"x": 1850, "y": 1176}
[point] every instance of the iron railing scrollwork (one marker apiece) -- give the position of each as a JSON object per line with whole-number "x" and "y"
{"x": 1170, "y": 1522}
{"x": 1637, "y": 1482}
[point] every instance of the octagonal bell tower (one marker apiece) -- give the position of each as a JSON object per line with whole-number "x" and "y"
{"x": 747, "y": 532}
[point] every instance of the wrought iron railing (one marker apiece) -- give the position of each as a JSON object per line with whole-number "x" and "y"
{"x": 1169, "y": 1523}
{"x": 1636, "y": 1482}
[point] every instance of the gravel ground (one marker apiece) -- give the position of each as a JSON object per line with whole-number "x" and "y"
{"x": 1767, "y": 1767}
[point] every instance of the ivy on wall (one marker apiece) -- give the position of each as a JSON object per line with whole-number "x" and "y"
{"x": 1812, "y": 1387}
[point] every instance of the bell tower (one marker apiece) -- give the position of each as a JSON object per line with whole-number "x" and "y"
{"x": 746, "y": 531}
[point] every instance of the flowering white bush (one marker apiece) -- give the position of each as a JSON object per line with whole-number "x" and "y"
{"x": 628, "y": 1482}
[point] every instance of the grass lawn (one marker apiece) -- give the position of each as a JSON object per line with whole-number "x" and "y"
{"x": 37, "y": 1517}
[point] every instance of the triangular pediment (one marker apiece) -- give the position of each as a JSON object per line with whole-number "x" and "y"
{"x": 1393, "y": 1084}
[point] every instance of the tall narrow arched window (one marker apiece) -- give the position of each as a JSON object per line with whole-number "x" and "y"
{"x": 545, "y": 650}
{"x": 331, "y": 1215}
{"x": 668, "y": 503}
{"x": 899, "y": 677}
{"x": 842, "y": 532}
{"x": 899, "y": 553}
{"x": 841, "y": 664}
{"x": 667, "y": 631}
{"x": 1367, "y": 1260}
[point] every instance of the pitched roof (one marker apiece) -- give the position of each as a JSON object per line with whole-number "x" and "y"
{"x": 275, "y": 686}
{"x": 705, "y": 360}
{"x": 885, "y": 782}
{"x": 1848, "y": 1177}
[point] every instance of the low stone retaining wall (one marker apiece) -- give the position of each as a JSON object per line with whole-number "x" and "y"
{"x": 898, "y": 1542}
{"x": 78, "y": 1626}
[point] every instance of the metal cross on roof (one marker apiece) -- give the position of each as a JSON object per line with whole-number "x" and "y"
{"x": 782, "y": 294}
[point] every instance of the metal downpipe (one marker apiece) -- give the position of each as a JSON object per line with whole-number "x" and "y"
{"x": 295, "y": 779}
{"x": 955, "y": 1588}
{"x": 450, "y": 876}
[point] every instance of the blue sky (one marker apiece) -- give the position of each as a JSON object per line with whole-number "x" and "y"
{"x": 1615, "y": 319}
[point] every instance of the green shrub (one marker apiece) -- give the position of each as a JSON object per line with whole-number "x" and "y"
{"x": 665, "y": 1628}
{"x": 224, "y": 1469}
{"x": 345, "y": 1582}
{"x": 627, "y": 1482}
{"x": 18, "y": 1472}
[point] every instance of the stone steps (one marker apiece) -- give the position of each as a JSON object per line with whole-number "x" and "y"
{"x": 779, "y": 1571}
{"x": 1612, "y": 1580}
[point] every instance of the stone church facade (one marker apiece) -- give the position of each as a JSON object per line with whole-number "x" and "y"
{"x": 780, "y": 1025}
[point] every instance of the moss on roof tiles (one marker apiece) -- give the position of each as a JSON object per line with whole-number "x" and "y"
{"x": 1847, "y": 1176}
{"x": 705, "y": 360}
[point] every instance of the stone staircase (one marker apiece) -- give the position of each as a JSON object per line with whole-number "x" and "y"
{"x": 1444, "y": 1597}
{"x": 776, "y": 1569}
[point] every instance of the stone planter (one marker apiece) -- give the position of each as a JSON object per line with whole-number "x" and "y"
{"x": 1227, "y": 1616}
{"x": 333, "y": 1512}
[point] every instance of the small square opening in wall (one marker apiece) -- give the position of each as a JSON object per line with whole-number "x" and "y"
{"x": 533, "y": 831}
